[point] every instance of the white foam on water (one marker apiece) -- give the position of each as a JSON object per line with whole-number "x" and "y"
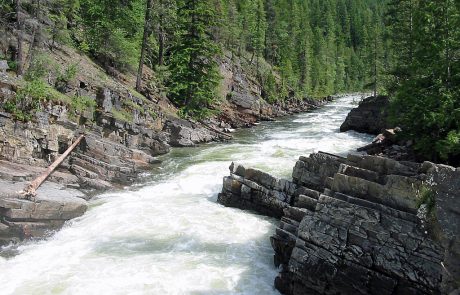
{"x": 170, "y": 236}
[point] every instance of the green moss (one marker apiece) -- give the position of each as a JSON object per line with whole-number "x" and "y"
{"x": 426, "y": 196}
{"x": 133, "y": 106}
{"x": 122, "y": 115}
{"x": 57, "y": 96}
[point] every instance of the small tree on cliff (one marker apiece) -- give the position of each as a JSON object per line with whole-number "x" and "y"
{"x": 194, "y": 72}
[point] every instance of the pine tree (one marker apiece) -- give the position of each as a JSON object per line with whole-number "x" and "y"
{"x": 194, "y": 71}
{"x": 426, "y": 101}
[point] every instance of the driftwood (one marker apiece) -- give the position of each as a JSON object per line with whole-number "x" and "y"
{"x": 30, "y": 191}
{"x": 228, "y": 136}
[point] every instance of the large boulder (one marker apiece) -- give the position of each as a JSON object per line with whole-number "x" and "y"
{"x": 371, "y": 116}
{"x": 445, "y": 182}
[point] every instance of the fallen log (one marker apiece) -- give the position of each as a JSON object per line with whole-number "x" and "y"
{"x": 216, "y": 131}
{"x": 30, "y": 191}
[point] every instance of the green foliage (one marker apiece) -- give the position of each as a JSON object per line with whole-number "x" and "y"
{"x": 320, "y": 47}
{"x": 13, "y": 65}
{"x": 270, "y": 90}
{"x": 81, "y": 104}
{"x": 450, "y": 145}
{"x": 194, "y": 72}
{"x": 122, "y": 115}
{"x": 40, "y": 66}
{"x": 27, "y": 100}
{"x": 68, "y": 74}
{"x": 133, "y": 106}
{"x": 112, "y": 31}
{"x": 426, "y": 77}
{"x": 426, "y": 196}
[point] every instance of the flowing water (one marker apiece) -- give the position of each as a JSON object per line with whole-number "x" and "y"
{"x": 169, "y": 235}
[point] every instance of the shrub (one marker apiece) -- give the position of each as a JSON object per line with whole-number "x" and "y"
{"x": 27, "y": 100}
{"x": 68, "y": 74}
{"x": 82, "y": 103}
{"x": 40, "y": 66}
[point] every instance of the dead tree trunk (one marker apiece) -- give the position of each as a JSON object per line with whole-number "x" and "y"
{"x": 147, "y": 22}
{"x": 30, "y": 190}
{"x": 20, "y": 28}
{"x": 161, "y": 42}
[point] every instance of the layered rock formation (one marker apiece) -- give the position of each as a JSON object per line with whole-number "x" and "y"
{"x": 369, "y": 117}
{"x": 350, "y": 225}
{"x": 53, "y": 206}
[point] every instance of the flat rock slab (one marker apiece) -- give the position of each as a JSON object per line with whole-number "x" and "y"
{"x": 53, "y": 202}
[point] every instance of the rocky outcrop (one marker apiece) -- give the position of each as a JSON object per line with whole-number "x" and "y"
{"x": 445, "y": 181}
{"x": 388, "y": 144}
{"x": 369, "y": 117}
{"x": 246, "y": 102}
{"x": 350, "y": 225}
{"x": 53, "y": 206}
{"x": 182, "y": 133}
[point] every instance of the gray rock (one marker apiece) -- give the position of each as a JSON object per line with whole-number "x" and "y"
{"x": 53, "y": 205}
{"x": 362, "y": 235}
{"x": 369, "y": 117}
{"x": 185, "y": 134}
{"x": 4, "y": 66}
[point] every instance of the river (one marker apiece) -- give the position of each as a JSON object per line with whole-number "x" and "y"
{"x": 168, "y": 235}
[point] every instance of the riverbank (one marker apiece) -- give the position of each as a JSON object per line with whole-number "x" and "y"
{"x": 169, "y": 235}
{"x": 111, "y": 156}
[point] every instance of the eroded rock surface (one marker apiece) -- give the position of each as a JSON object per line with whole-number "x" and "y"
{"x": 350, "y": 225}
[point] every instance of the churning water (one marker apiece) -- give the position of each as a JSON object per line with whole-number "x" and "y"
{"x": 168, "y": 235}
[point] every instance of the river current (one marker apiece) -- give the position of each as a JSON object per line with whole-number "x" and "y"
{"x": 168, "y": 235}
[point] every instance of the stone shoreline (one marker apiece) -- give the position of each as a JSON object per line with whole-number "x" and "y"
{"x": 112, "y": 155}
{"x": 354, "y": 225}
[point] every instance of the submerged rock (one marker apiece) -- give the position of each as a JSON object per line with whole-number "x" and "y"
{"x": 350, "y": 225}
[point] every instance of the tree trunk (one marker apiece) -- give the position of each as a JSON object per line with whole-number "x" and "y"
{"x": 161, "y": 43}
{"x": 144, "y": 43}
{"x": 31, "y": 49}
{"x": 20, "y": 28}
{"x": 375, "y": 65}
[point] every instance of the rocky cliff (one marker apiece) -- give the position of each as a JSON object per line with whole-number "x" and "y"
{"x": 357, "y": 225}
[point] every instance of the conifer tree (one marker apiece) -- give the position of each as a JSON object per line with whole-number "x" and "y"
{"x": 194, "y": 71}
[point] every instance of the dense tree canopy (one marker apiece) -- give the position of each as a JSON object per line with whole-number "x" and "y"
{"x": 426, "y": 75}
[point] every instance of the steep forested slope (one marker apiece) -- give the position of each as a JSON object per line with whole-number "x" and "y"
{"x": 294, "y": 47}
